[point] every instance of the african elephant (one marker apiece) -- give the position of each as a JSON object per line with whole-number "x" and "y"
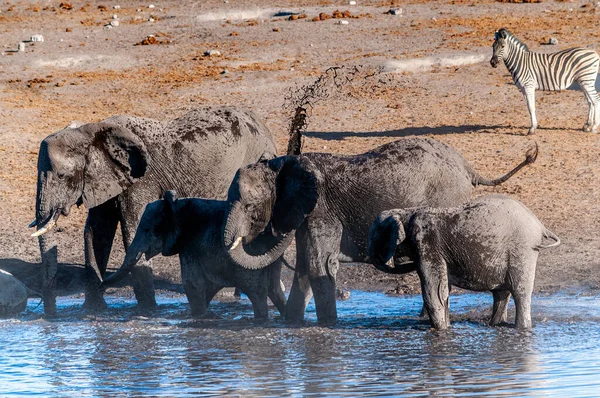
{"x": 13, "y": 295}
{"x": 489, "y": 244}
{"x": 191, "y": 227}
{"x": 329, "y": 201}
{"x": 116, "y": 166}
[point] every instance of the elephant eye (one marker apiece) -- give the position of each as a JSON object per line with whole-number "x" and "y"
{"x": 60, "y": 175}
{"x": 248, "y": 207}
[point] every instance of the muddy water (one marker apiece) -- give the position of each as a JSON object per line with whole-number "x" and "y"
{"x": 378, "y": 347}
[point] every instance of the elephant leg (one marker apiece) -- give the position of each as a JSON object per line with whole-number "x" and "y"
{"x": 196, "y": 292}
{"x": 99, "y": 233}
{"x": 258, "y": 298}
{"x": 499, "y": 311}
{"x": 141, "y": 275}
{"x": 49, "y": 255}
{"x": 323, "y": 251}
{"x": 275, "y": 292}
{"x": 300, "y": 292}
{"x": 522, "y": 275}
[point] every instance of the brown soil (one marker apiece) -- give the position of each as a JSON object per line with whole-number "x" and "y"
{"x": 84, "y": 71}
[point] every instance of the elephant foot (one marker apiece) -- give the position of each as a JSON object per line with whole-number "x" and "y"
{"x": 143, "y": 288}
{"x": 49, "y": 303}
{"x": 94, "y": 304}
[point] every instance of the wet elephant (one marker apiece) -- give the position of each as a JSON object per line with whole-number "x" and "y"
{"x": 329, "y": 201}
{"x": 489, "y": 244}
{"x": 116, "y": 166}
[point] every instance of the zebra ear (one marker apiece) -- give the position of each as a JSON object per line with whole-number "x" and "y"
{"x": 503, "y": 33}
{"x": 496, "y": 35}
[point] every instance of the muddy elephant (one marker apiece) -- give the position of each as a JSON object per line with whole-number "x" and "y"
{"x": 489, "y": 244}
{"x": 116, "y": 166}
{"x": 329, "y": 201}
{"x": 191, "y": 228}
{"x": 13, "y": 295}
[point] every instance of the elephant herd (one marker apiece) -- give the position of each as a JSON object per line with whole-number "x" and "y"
{"x": 209, "y": 187}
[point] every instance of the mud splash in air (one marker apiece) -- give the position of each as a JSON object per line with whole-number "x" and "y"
{"x": 427, "y": 63}
{"x": 378, "y": 347}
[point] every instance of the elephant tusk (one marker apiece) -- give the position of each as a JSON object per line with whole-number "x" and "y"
{"x": 390, "y": 263}
{"x": 33, "y": 224}
{"x": 45, "y": 229}
{"x": 236, "y": 243}
{"x": 138, "y": 256}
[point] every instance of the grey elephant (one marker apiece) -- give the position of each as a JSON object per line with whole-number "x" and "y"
{"x": 489, "y": 244}
{"x": 191, "y": 227}
{"x": 13, "y": 295}
{"x": 329, "y": 201}
{"x": 116, "y": 166}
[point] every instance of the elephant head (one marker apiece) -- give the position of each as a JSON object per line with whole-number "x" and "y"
{"x": 157, "y": 233}
{"x": 88, "y": 164}
{"x": 386, "y": 233}
{"x": 273, "y": 196}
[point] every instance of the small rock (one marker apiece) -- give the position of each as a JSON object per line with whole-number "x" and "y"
{"x": 342, "y": 22}
{"x": 21, "y": 46}
{"x": 224, "y": 72}
{"x": 68, "y": 30}
{"x": 114, "y": 23}
{"x": 553, "y": 41}
{"x": 39, "y": 38}
{"x": 108, "y": 26}
{"x": 342, "y": 294}
{"x": 212, "y": 53}
{"x": 115, "y": 16}
{"x": 151, "y": 6}
{"x": 276, "y": 30}
{"x": 116, "y": 7}
{"x": 150, "y": 19}
{"x": 352, "y": 3}
{"x": 394, "y": 11}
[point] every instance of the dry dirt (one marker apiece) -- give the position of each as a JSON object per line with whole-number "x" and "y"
{"x": 84, "y": 71}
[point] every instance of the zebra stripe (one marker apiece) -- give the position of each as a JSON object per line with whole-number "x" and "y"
{"x": 549, "y": 72}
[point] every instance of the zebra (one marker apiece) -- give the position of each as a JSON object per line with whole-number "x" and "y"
{"x": 549, "y": 72}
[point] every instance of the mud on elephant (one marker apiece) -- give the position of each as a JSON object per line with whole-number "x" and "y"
{"x": 191, "y": 227}
{"x": 116, "y": 166}
{"x": 490, "y": 244}
{"x": 329, "y": 201}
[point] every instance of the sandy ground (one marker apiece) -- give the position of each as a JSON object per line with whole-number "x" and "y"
{"x": 437, "y": 83}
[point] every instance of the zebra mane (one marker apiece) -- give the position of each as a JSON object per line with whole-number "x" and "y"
{"x": 513, "y": 39}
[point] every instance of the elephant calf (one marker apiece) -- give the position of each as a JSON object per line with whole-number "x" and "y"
{"x": 13, "y": 295}
{"x": 191, "y": 227}
{"x": 489, "y": 244}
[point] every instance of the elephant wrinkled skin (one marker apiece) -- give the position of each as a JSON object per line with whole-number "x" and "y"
{"x": 329, "y": 201}
{"x": 490, "y": 244}
{"x": 190, "y": 227}
{"x": 116, "y": 166}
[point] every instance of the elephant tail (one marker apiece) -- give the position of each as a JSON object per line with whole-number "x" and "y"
{"x": 530, "y": 157}
{"x": 33, "y": 293}
{"x": 285, "y": 262}
{"x": 550, "y": 235}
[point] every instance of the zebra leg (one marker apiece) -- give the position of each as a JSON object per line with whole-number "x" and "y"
{"x": 594, "y": 107}
{"x": 529, "y": 94}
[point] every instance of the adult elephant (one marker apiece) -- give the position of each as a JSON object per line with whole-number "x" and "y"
{"x": 116, "y": 166}
{"x": 329, "y": 201}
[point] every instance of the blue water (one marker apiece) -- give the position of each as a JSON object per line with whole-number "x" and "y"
{"x": 378, "y": 347}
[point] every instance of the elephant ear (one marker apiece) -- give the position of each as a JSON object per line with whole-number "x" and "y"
{"x": 116, "y": 159}
{"x": 296, "y": 194}
{"x": 385, "y": 235}
{"x": 173, "y": 230}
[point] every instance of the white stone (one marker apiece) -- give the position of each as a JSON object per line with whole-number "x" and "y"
{"x": 352, "y": 3}
{"x": 212, "y": 53}
{"x": 150, "y": 19}
{"x": 342, "y": 22}
{"x": 115, "y": 16}
{"x": 117, "y": 7}
{"x": 39, "y": 38}
{"x": 21, "y": 46}
{"x": 114, "y": 23}
{"x": 151, "y": 6}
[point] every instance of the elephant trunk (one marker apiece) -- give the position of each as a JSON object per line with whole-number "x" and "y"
{"x": 231, "y": 230}
{"x": 131, "y": 259}
{"x": 49, "y": 267}
{"x": 276, "y": 247}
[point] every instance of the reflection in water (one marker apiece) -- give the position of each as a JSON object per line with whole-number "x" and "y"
{"x": 379, "y": 346}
